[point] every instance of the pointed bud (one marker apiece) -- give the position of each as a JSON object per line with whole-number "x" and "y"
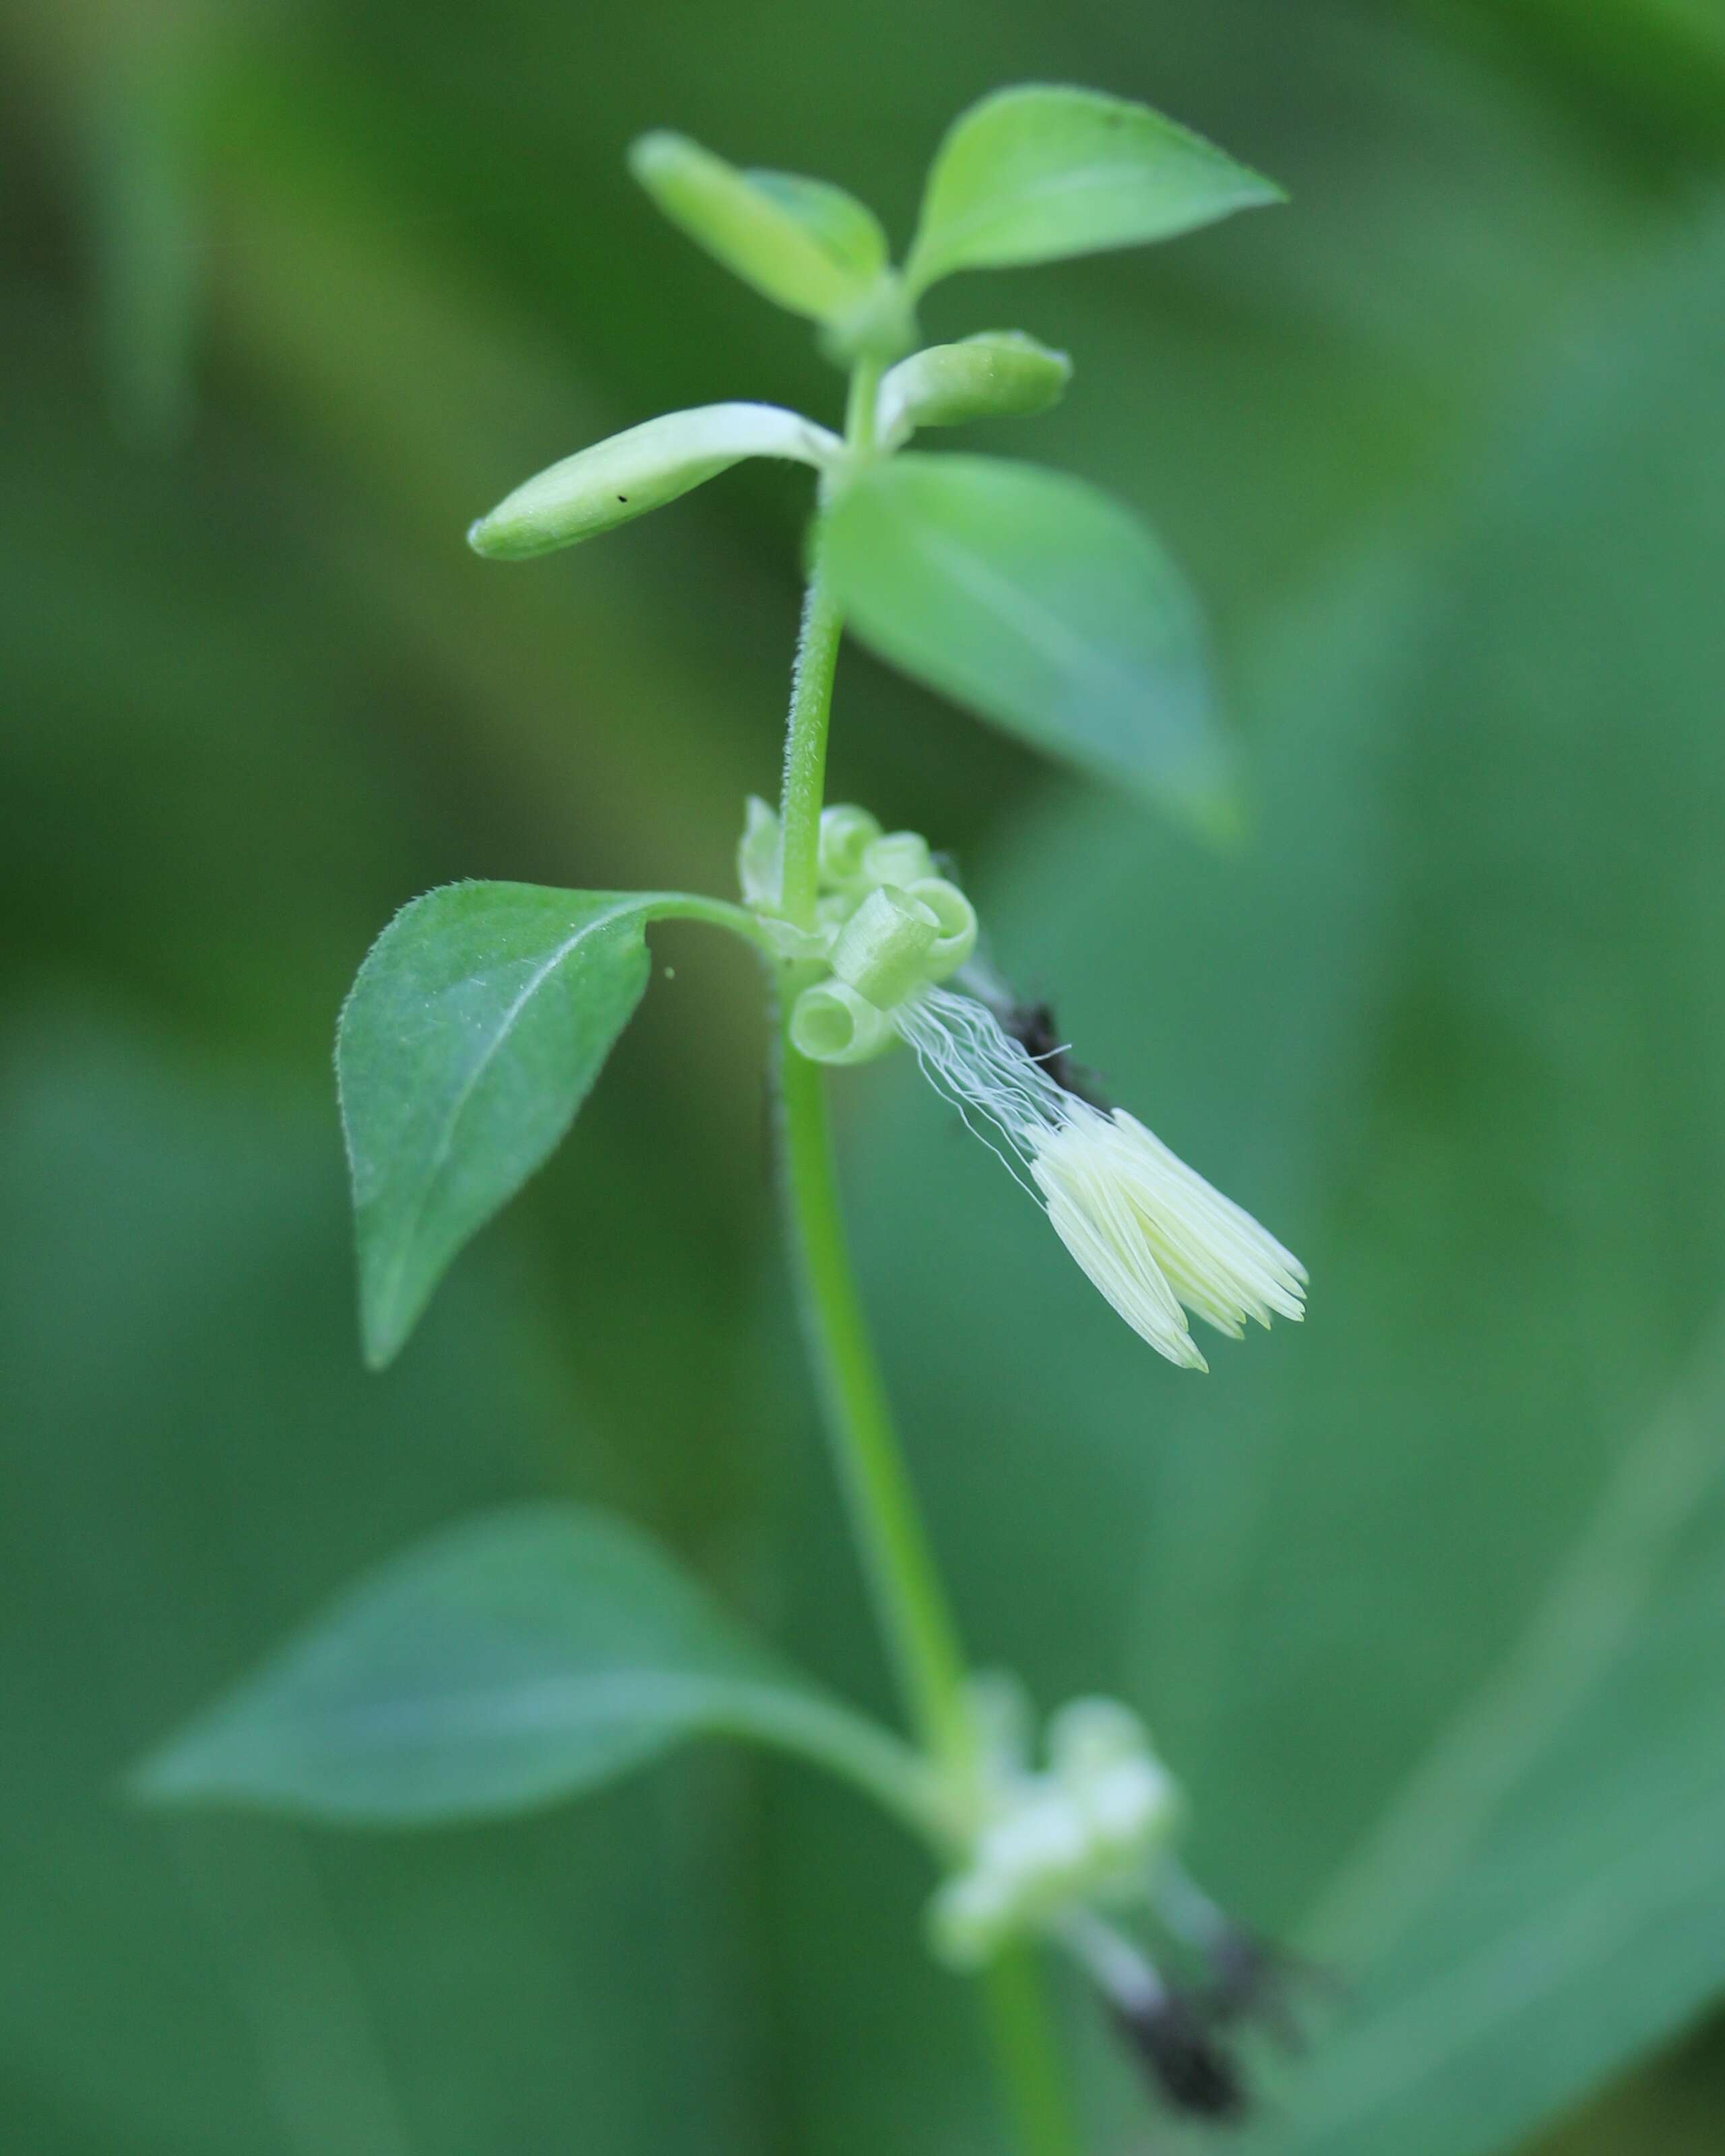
{"x": 643, "y": 469}
{"x": 998, "y": 374}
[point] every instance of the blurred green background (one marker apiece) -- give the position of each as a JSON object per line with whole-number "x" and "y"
{"x": 1424, "y": 1601}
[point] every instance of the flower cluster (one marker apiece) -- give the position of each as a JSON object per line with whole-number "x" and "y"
{"x": 887, "y": 926}
{"x": 1084, "y": 1831}
{"x": 1153, "y": 1234}
{"x": 1080, "y": 1851}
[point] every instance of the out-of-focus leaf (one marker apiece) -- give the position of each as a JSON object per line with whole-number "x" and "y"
{"x": 173, "y": 1501}
{"x": 521, "y": 1659}
{"x": 618, "y": 480}
{"x": 796, "y": 241}
{"x": 1041, "y": 604}
{"x": 1039, "y": 171}
{"x": 848, "y": 231}
{"x": 1537, "y": 1896}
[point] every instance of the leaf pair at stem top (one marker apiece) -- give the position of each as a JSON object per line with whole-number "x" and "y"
{"x": 1026, "y": 595}
{"x": 1027, "y": 175}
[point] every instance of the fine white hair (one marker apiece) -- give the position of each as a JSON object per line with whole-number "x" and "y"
{"x": 1149, "y": 1231}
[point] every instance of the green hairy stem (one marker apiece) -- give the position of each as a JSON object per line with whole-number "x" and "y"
{"x": 909, "y": 1597}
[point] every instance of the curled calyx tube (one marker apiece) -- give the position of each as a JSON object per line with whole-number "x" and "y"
{"x": 892, "y": 932}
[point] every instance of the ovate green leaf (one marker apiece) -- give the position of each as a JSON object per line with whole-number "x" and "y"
{"x": 474, "y": 1032}
{"x": 513, "y": 1661}
{"x": 1036, "y": 172}
{"x": 1041, "y": 604}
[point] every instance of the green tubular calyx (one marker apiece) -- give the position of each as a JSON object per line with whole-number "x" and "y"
{"x": 886, "y": 927}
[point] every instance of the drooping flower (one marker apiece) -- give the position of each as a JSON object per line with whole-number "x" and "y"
{"x": 1154, "y": 1237}
{"x": 1150, "y": 1233}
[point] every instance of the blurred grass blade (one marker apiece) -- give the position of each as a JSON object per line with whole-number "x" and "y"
{"x": 1037, "y": 173}
{"x": 514, "y": 1661}
{"x": 1537, "y": 1896}
{"x": 148, "y": 222}
{"x": 1041, "y": 604}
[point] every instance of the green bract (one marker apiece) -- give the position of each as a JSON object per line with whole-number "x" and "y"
{"x": 1031, "y": 174}
{"x": 642, "y": 469}
{"x": 512, "y": 1662}
{"x": 802, "y": 242}
{"x": 996, "y": 374}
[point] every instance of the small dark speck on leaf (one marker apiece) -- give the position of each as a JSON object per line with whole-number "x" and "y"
{"x": 623, "y": 497}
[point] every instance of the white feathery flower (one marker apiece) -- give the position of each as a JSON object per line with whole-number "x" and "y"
{"x": 1149, "y": 1231}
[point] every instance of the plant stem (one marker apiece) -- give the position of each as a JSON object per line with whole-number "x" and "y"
{"x": 1023, "y": 2033}
{"x": 898, "y": 1560}
{"x": 903, "y": 1579}
{"x": 805, "y": 744}
{"x": 805, "y": 748}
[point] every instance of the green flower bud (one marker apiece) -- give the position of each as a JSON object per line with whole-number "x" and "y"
{"x": 831, "y": 1023}
{"x": 998, "y": 374}
{"x": 643, "y": 469}
{"x": 883, "y": 951}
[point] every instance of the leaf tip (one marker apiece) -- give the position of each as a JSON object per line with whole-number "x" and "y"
{"x": 1259, "y": 192}
{"x": 383, "y": 1330}
{"x": 653, "y": 154}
